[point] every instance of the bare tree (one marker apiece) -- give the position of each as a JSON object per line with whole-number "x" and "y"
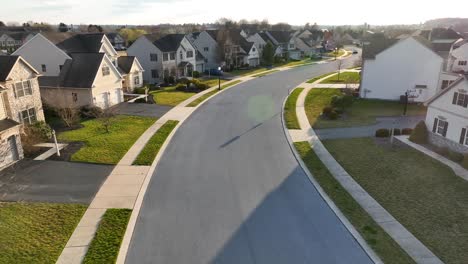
{"x": 339, "y": 64}
{"x": 65, "y": 107}
{"x": 107, "y": 117}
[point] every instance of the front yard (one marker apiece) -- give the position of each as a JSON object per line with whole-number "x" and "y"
{"x": 170, "y": 96}
{"x": 420, "y": 192}
{"x": 36, "y": 232}
{"x": 290, "y": 116}
{"x": 362, "y": 112}
{"x": 343, "y": 77}
{"x": 107, "y": 148}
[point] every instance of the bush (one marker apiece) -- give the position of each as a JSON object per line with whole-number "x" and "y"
{"x": 141, "y": 90}
{"x": 199, "y": 85}
{"x": 183, "y": 80}
{"x": 464, "y": 162}
{"x": 455, "y": 156}
{"x": 396, "y": 132}
{"x": 419, "y": 134}
{"x": 406, "y": 131}
{"x": 382, "y": 132}
{"x": 327, "y": 110}
{"x": 34, "y": 134}
{"x": 443, "y": 151}
{"x": 90, "y": 111}
{"x": 181, "y": 87}
{"x": 343, "y": 101}
{"x": 196, "y": 74}
{"x": 333, "y": 115}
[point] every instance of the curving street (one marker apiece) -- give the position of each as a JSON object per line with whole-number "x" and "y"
{"x": 229, "y": 190}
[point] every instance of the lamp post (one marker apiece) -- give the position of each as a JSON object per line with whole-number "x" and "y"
{"x": 219, "y": 78}
{"x": 336, "y": 52}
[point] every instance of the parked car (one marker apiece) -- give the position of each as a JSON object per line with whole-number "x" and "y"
{"x": 214, "y": 72}
{"x": 355, "y": 52}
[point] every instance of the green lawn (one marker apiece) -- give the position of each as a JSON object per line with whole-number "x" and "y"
{"x": 205, "y": 96}
{"x": 248, "y": 71}
{"x": 319, "y": 77}
{"x": 107, "y": 148}
{"x": 213, "y": 82}
{"x": 170, "y": 96}
{"x": 290, "y": 110}
{"x": 420, "y": 192}
{"x": 344, "y": 77}
{"x": 362, "y": 112}
{"x": 106, "y": 243}
{"x": 387, "y": 249}
{"x": 339, "y": 53}
{"x": 264, "y": 73}
{"x": 36, "y": 232}
{"x": 151, "y": 148}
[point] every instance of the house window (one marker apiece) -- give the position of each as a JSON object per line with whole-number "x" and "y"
{"x": 291, "y": 46}
{"x": 464, "y": 137}
{"x": 44, "y": 68}
{"x": 181, "y": 55}
{"x": 23, "y": 88}
{"x": 75, "y": 97}
{"x": 154, "y": 74}
{"x": 440, "y": 127}
{"x": 153, "y": 57}
{"x": 206, "y": 49}
{"x": 461, "y": 63}
{"x": 28, "y": 116}
{"x": 446, "y": 83}
{"x": 190, "y": 54}
{"x": 136, "y": 81}
{"x": 60, "y": 67}
{"x": 460, "y": 99}
{"x": 105, "y": 70}
{"x": 165, "y": 56}
{"x": 172, "y": 55}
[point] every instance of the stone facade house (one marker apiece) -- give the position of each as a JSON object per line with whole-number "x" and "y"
{"x": 20, "y": 103}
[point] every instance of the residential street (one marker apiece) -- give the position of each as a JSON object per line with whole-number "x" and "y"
{"x": 229, "y": 190}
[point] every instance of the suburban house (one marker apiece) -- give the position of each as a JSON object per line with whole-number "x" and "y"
{"x": 441, "y": 39}
{"x": 260, "y": 40}
{"x": 458, "y": 57}
{"x": 131, "y": 71}
{"x": 10, "y": 41}
{"x": 20, "y": 103}
{"x": 207, "y": 47}
{"x": 393, "y": 68}
{"x": 238, "y": 52}
{"x": 117, "y": 41}
{"x": 173, "y": 55}
{"x": 308, "y": 42}
{"x": 447, "y": 116}
{"x": 284, "y": 43}
{"x": 85, "y": 79}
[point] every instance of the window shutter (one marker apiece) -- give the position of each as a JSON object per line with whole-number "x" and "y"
{"x": 444, "y": 133}
{"x": 455, "y": 95}
{"x": 462, "y": 136}
{"x": 434, "y": 127}
{"x": 465, "y": 101}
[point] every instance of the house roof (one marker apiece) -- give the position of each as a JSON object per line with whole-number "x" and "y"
{"x": 79, "y": 72}
{"x": 20, "y": 36}
{"x": 442, "y": 92}
{"x": 112, "y": 35}
{"x": 169, "y": 42}
{"x": 378, "y": 43}
{"x": 7, "y": 124}
{"x": 6, "y": 65}
{"x": 443, "y": 33}
{"x": 76, "y": 43}
{"x": 281, "y": 36}
{"x": 125, "y": 63}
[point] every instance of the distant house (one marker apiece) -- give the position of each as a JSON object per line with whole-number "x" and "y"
{"x": 457, "y": 60}
{"x": 308, "y": 42}
{"x": 392, "y": 68}
{"x": 207, "y": 46}
{"x": 447, "y": 116}
{"x": 10, "y": 41}
{"x": 117, "y": 41}
{"x": 260, "y": 40}
{"x": 170, "y": 56}
{"x": 86, "y": 79}
{"x": 131, "y": 71}
{"x": 441, "y": 39}
{"x": 20, "y": 103}
{"x": 284, "y": 43}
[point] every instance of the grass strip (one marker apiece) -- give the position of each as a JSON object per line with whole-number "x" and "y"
{"x": 106, "y": 243}
{"x": 385, "y": 247}
{"x": 320, "y": 77}
{"x": 264, "y": 73}
{"x": 207, "y": 95}
{"x": 290, "y": 110}
{"x": 151, "y": 148}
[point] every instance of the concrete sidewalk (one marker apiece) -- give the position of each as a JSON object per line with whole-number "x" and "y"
{"x": 409, "y": 243}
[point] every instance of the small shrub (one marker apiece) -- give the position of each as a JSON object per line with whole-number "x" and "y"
{"x": 181, "y": 87}
{"x": 196, "y": 74}
{"x": 419, "y": 134}
{"x": 406, "y": 131}
{"x": 327, "y": 110}
{"x": 34, "y": 134}
{"x": 464, "y": 162}
{"x": 455, "y": 156}
{"x": 342, "y": 101}
{"x": 382, "y": 132}
{"x": 443, "y": 151}
{"x": 90, "y": 111}
{"x": 333, "y": 115}
{"x": 183, "y": 80}
{"x": 396, "y": 132}
{"x": 141, "y": 90}
{"x": 339, "y": 110}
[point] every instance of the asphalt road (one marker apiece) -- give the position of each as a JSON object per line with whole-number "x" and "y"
{"x": 228, "y": 189}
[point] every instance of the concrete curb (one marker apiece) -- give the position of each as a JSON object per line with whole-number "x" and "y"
{"x": 372, "y": 255}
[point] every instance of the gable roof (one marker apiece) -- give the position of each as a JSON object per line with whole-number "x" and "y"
{"x": 6, "y": 65}
{"x": 442, "y": 92}
{"x": 79, "y": 72}
{"x": 443, "y": 33}
{"x": 281, "y": 36}
{"x": 169, "y": 42}
{"x": 90, "y": 42}
{"x": 377, "y": 44}
{"x": 19, "y": 36}
{"x": 125, "y": 63}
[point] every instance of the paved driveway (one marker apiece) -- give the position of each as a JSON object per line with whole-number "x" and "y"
{"x": 229, "y": 190}
{"x": 139, "y": 109}
{"x": 52, "y": 181}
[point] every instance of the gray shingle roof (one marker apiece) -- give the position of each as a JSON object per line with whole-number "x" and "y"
{"x": 6, "y": 65}
{"x": 7, "y": 124}
{"x": 281, "y": 36}
{"x": 125, "y": 63}
{"x": 169, "y": 42}
{"x": 79, "y": 43}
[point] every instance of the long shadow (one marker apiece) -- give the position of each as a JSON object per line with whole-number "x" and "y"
{"x": 292, "y": 224}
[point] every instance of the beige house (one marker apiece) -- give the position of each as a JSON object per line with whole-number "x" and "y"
{"x": 20, "y": 102}
{"x": 85, "y": 79}
{"x": 131, "y": 71}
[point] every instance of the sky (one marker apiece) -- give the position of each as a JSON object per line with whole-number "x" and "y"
{"x": 295, "y": 12}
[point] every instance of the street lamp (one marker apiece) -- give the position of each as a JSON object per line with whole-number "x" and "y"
{"x": 219, "y": 78}
{"x": 336, "y": 52}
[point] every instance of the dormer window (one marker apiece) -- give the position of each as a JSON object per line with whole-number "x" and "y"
{"x": 105, "y": 70}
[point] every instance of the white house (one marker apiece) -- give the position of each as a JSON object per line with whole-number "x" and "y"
{"x": 207, "y": 47}
{"x": 10, "y": 41}
{"x": 259, "y": 42}
{"x": 458, "y": 57}
{"x": 447, "y": 116}
{"x": 131, "y": 71}
{"x": 409, "y": 65}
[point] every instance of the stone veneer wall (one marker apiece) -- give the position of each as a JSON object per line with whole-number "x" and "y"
{"x": 441, "y": 141}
